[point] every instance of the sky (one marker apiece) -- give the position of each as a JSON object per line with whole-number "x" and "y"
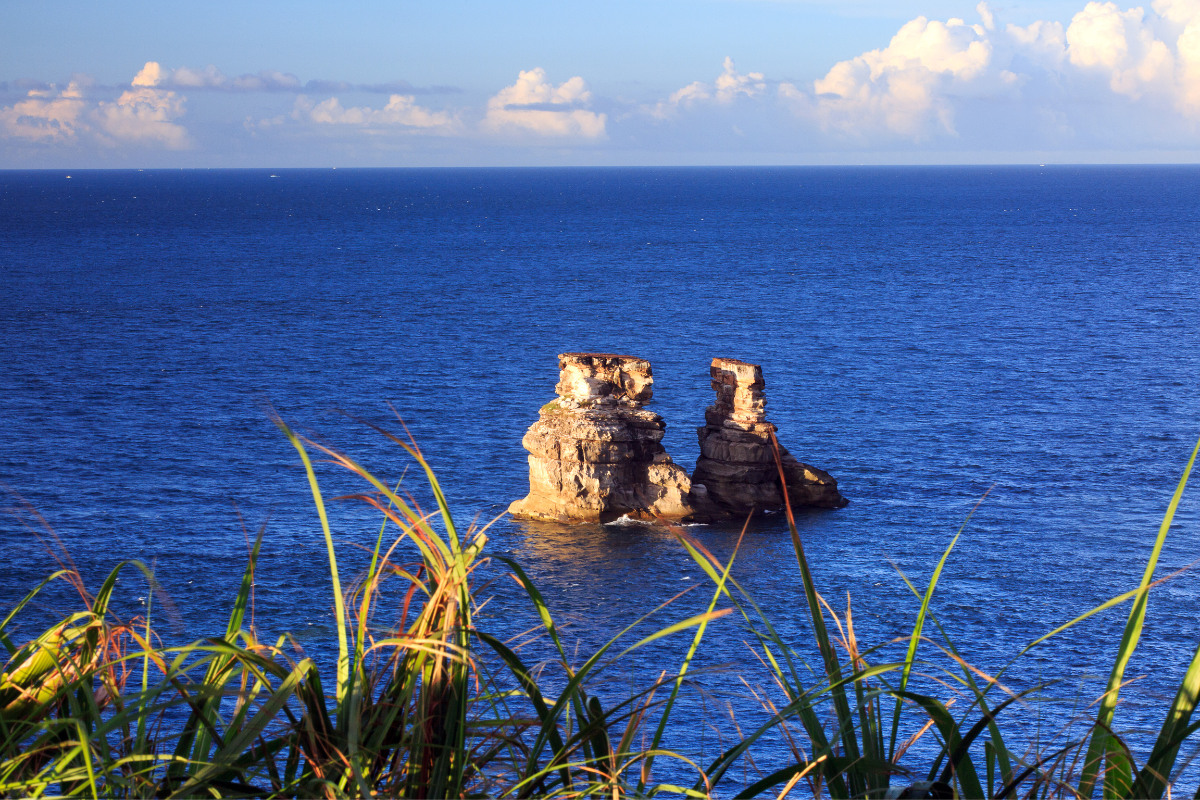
{"x": 621, "y": 82}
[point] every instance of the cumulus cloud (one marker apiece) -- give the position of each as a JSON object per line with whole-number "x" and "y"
{"x": 1107, "y": 78}
{"x": 728, "y": 86}
{"x": 144, "y": 113}
{"x": 730, "y": 83}
{"x": 45, "y": 115}
{"x": 1142, "y": 53}
{"x": 401, "y": 112}
{"x": 534, "y": 105}
{"x": 1122, "y": 45}
{"x": 918, "y": 84}
{"x": 148, "y": 111}
{"x": 904, "y": 86}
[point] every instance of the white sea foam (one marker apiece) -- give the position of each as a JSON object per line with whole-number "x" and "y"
{"x": 625, "y": 519}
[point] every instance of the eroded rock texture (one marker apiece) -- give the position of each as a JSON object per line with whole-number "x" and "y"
{"x": 596, "y": 454}
{"x": 736, "y": 472}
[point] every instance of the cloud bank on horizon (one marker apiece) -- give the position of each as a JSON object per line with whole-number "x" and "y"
{"x": 1111, "y": 79}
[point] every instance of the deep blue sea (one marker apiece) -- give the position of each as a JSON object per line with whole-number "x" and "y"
{"x": 926, "y": 334}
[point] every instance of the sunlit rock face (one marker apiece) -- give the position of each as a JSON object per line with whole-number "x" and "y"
{"x": 736, "y": 473}
{"x": 595, "y": 454}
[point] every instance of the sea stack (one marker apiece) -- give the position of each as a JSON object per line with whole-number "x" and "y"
{"x": 736, "y": 473}
{"x": 595, "y": 454}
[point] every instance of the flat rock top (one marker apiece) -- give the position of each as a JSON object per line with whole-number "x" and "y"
{"x": 589, "y": 356}
{"x": 733, "y": 362}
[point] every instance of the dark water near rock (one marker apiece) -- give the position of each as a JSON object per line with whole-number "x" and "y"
{"x": 925, "y": 333}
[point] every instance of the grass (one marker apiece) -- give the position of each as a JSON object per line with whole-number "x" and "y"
{"x": 424, "y": 701}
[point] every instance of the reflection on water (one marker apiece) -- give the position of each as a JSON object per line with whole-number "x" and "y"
{"x": 599, "y": 579}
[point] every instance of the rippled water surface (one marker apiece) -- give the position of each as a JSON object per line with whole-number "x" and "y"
{"x": 926, "y": 334}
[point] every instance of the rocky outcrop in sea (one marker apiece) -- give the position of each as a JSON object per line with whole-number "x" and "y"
{"x": 596, "y": 453}
{"x": 736, "y": 473}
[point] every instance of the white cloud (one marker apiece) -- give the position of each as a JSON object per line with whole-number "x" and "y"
{"x": 1122, "y": 46}
{"x": 1106, "y": 79}
{"x": 931, "y": 72}
{"x": 533, "y": 105}
{"x": 45, "y": 115}
{"x": 731, "y": 83}
{"x": 1042, "y": 42}
{"x": 986, "y": 15}
{"x": 149, "y": 75}
{"x": 401, "y": 111}
{"x": 1154, "y": 54}
{"x": 729, "y": 86}
{"x": 1187, "y": 16}
{"x": 145, "y": 113}
{"x": 903, "y": 86}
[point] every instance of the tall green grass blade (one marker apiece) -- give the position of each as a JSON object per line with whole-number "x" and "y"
{"x": 223, "y": 760}
{"x": 788, "y": 678}
{"x": 241, "y": 601}
{"x": 656, "y": 739}
{"x": 832, "y": 768}
{"x": 1153, "y": 778}
{"x": 539, "y": 604}
{"x": 845, "y": 718}
{"x": 997, "y": 750}
{"x": 675, "y": 627}
{"x": 960, "y": 749}
{"x": 99, "y": 605}
{"x": 598, "y": 733}
{"x": 197, "y": 735}
{"x": 919, "y": 625}
{"x": 530, "y": 686}
{"x": 964, "y": 768}
{"x": 1103, "y": 745}
{"x": 24, "y": 602}
{"x": 343, "y": 662}
{"x": 1107, "y": 604}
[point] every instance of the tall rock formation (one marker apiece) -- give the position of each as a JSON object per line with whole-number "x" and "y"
{"x": 736, "y": 472}
{"x": 595, "y": 454}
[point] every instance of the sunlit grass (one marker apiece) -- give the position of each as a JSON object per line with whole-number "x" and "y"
{"x": 424, "y": 701}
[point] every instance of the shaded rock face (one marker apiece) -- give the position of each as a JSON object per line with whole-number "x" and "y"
{"x": 596, "y": 454}
{"x": 736, "y": 471}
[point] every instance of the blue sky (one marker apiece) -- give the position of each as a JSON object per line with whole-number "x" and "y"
{"x": 467, "y": 82}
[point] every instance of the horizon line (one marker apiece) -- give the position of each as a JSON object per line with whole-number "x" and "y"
{"x": 898, "y": 165}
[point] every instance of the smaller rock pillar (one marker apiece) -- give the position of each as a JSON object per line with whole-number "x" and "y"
{"x": 736, "y": 473}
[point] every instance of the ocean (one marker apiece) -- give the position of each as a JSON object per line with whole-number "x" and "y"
{"x": 1020, "y": 339}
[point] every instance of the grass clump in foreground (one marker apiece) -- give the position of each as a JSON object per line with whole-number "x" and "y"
{"x": 432, "y": 705}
